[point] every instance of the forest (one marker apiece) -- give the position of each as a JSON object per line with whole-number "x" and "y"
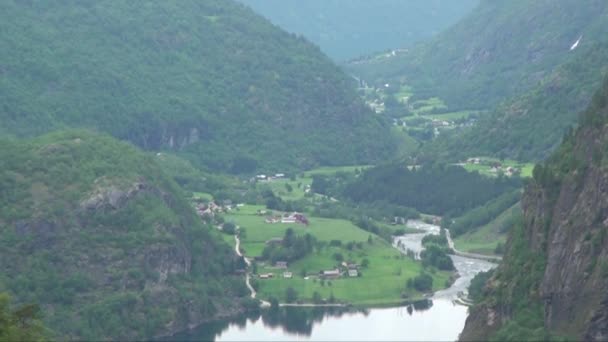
{"x": 221, "y": 86}
{"x": 433, "y": 189}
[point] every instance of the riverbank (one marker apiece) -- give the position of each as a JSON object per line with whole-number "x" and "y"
{"x": 416, "y": 321}
{"x": 383, "y": 271}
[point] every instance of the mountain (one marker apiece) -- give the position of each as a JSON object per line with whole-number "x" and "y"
{"x": 95, "y": 233}
{"x": 529, "y": 64}
{"x": 349, "y": 29}
{"x": 209, "y": 79}
{"x": 553, "y": 280}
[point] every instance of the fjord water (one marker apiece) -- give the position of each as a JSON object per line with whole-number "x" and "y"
{"x": 436, "y": 319}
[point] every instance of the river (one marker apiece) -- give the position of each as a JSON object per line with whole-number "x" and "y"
{"x": 436, "y": 319}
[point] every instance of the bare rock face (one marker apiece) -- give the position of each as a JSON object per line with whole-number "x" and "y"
{"x": 565, "y": 224}
{"x": 112, "y": 196}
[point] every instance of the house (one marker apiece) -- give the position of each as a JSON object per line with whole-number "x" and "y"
{"x": 280, "y": 264}
{"x": 295, "y": 218}
{"x": 288, "y": 219}
{"x": 287, "y": 275}
{"x": 350, "y": 265}
{"x": 261, "y": 177}
{"x": 279, "y": 175}
{"x": 261, "y": 212}
{"x": 271, "y": 219}
{"x": 331, "y": 274}
{"x": 266, "y": 275}
{"x": 353, "y": 273}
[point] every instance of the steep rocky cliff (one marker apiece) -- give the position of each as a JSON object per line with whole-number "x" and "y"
{"x": 95, "y": 233}
{"x": 554, "y": 278}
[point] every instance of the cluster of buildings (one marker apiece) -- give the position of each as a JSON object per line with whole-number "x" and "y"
{"x": 263, "y": 177}
{"x": 345, "y": 269}
{"x": 293, "y": 218}
{"x": 495, "y": 166}
{"x": 212, "y": 208}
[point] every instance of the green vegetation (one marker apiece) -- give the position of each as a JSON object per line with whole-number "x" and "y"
{"x": 91, "y": 225}
{"x": 517, "y": 295}
{"x": 326, "y": 243}
{"x": 467, "y": 69}
{"x": 491, "y": 237}
{"x": 441, "y": 190}
{"x": 336, "y": 26}
{"x": 530, "y": 93}
{"x": 477, "y": 285}
{"x": 523, "y": 170}
{"x": 291, "y": 248}
{"x": 258, "y": 231}
{"x": 382, "y": 282}
{"x": 483, "y": 214}
{"x": 516, "y": 285}
{"x": 20, "y": 324}
{"x": 221, "y": 86}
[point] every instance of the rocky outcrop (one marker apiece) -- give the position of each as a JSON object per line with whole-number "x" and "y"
{"x": 565, "y": 225}
{"x": 95, "y": 233}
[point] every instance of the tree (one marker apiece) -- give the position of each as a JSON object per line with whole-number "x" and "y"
{"x": 423, "y": 282}
{"x": 291, "y": 295}
{"x": 229, "y": 228}
{"x": 21, "y": 324}
{"x": 288, "y": 187}
{"x": 365, "y": 263}
{"x": 316, "y": 298}
{"x": 339, "y": 257}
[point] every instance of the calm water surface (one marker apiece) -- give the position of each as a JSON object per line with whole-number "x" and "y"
{"x": 437, "y": 319}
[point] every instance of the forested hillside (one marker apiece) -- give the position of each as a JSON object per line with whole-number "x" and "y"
{"x": 433, "y": 189}
{"x": 553, "y": 279}
{"x": 105, "y": 243}
{"x": 209, "y": 79}
{"x": 354, "y": 28}
{"x": 529, "y": 65}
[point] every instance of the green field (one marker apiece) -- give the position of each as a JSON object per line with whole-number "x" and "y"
{"x": 484, "y": 169}
{"x": 428, "y": 106}
{"x": 485, "y": 239}
{"x": 258, "y": 231}
{"x": 383, "y": 282}
{"x": 328, "y": 170}
{"x": 405, "y": 92}
{"x": 451, "y": 116}
{"x": 202, "y": 196}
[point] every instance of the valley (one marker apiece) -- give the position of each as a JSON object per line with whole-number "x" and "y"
{"x": 231, "y": 170}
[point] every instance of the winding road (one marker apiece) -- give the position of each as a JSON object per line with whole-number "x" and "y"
{"x": 237, "y": 249}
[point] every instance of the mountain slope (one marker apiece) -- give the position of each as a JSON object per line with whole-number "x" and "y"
{"x": 105, "y": 242}
{"x": 210, "y": 79}
{"x": 554, "y": 277}
{"x": 531, "y": 64}
{"x": 501, "y": 49}
{"x": 349, "y": 29}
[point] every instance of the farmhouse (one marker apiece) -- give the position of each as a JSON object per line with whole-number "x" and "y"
{"x": 353, "y": 273}
{"x": 281, "y": 264}
{"x": 295, "y": 218}
{"x": 331, "y": 274}
{"x": 266, "y": 275}
{"x": 287, "y": 275}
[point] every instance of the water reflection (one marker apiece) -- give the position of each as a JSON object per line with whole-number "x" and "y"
{"x": 434, "y": 319}
{"x": 316, "y": 324}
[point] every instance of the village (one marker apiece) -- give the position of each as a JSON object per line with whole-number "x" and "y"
{"x": 344, "y": 269}
{"x": 494, "y": 167}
